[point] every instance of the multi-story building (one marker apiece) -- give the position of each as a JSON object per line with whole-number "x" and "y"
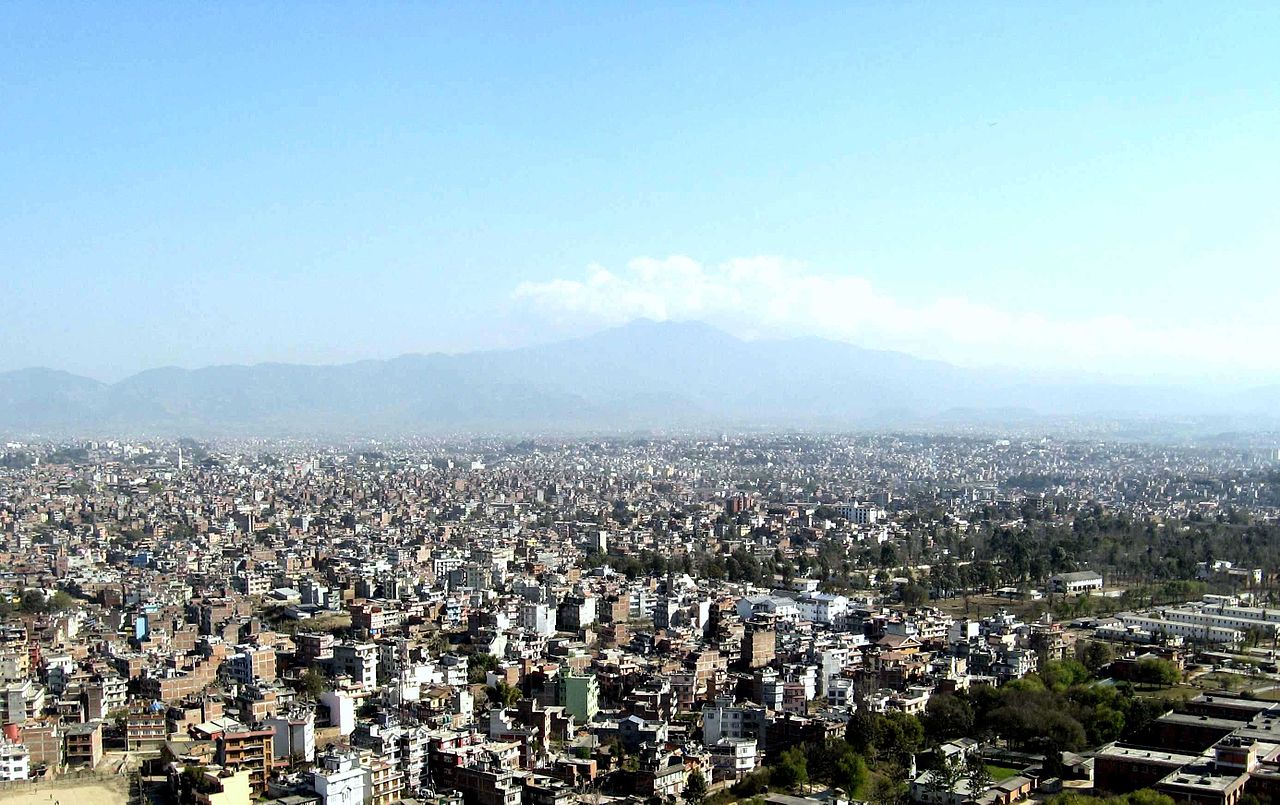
{"x": 145, "y": 726}
{"x": 339, "y": 780}
{"x": 294, "y": 735}
{"x": 487, "y": 784}
{"x": 252, "y": 664}
{"x": 247, "y": 749}
{"x": 579, "y": 694}
{"x": 358, "y": 661}
{"x": 15, "y": 761}
{"x": 372, "y": 618}
{"x": 724, "y": 719}
{"x": 733, "y": 758}
{"x": 104, "y": 695}
{"x": 313, "y": 647}
{"x": 383, "y": 782}
{"x": 82, "y": 744}
{"x": 21, "y": 701}
{"x": 759, "y": 644}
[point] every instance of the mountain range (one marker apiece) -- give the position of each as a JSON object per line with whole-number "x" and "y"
{"x": 638, "y": 376}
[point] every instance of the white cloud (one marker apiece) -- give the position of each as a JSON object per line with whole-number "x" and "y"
{"x": 773, "y": 297}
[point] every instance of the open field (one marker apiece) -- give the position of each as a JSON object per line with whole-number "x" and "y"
{"x": 999, "y": 773}
{"x": 101, "y": 791}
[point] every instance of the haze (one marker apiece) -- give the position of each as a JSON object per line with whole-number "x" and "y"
{"x": 1083, "y": 190}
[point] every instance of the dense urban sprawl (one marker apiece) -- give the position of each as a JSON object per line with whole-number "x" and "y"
{"x": 772, "y": 618}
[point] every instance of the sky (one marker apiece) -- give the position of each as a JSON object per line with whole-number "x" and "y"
{"x": 1081, "y": 187}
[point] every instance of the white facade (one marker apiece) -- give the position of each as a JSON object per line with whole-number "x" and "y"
{"x": 538, "y": 618}
{"x": 823, "y": 608}
{"x": 1193, "y": 631}
{"x": 293, "y": 736}
{"x": 340, "y": 780}
{"x": 342, "y": 710}
{"x": 859, "y": 513}
{"x": 15, "y": 762}
{"x": 734, "y": 757}
{"x": 358, "y": 661}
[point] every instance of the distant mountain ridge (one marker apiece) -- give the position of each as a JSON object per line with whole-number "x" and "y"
{"x": 641, "y": 375}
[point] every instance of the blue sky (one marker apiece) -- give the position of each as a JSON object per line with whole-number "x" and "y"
{"x": 1078, "y": 187}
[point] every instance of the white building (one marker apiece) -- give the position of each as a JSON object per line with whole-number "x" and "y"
{"x": 724, "y": 719}
{"x": 15, "y": 761}
{"x": 823, "y": 608}
{"x": 1075, "y": 583}
{"x": 538, "y": 618}
{"x": 859, "y": 513}
{"x": 339, "y": 780}
{"x": 295, "y": 735}
{"x": 1156, "y": 626}
{"x": 733, "y": 758}
{"x": 342, "y": 710}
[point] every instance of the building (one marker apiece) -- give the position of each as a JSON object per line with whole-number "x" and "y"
{"x": 488, "y": 784}
{"x": 295, "y": 735}
{"x": 358, "y": 661}
{"x": 252, "y": 664}
{"x": 733, "y": 758}
{"x": 82, "y": 744}
{"x": 859, "y": 513}
{"x": 823, "y": 608}
{"x": 221, "y": 787}
{"x": 339, "y": 780}
{"x": 21, "y": 701}
{"x": 724, "y": 719}
{"x": 105, "y": 695}
{"x": 759, "y": 645}
{"x": 1081, "y": 581}
{"x": 15, "y": 761}
{"x": 383, "y": 782}
{"x": 145, "y": 726}
{"x": 579, "y": 694}
{"x": 247, "y": 749}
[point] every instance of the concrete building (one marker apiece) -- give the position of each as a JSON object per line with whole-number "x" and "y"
{"x": 358, "y": 661}
{"x": 579, "y": 694}
{"x": 294, "y": 735}
{"x": 82, "y": 744}
{"x": 1081, "y": 581}
{"x": 15, "y": 761}
{"x": 247, "y": 749}
{"x": 339, "y": 780}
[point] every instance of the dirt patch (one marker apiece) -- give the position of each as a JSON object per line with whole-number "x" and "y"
{"x": 99, "y": 791}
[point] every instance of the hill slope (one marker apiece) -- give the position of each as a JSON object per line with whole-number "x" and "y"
{"x": 644, "y": 374}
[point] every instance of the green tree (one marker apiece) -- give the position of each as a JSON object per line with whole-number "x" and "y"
{"x": 1061, "y": 674}
{"x": 947, "y": 716}
{"x": 754, "y": 784}
{"x": 61, "y": 601}
{"x": 503, "y": 695}
{"x": 976, "y": 775}
{"x": 850, "y": 773}
{"x": 479, "y": 666}
{"x": 33, "y": 603}
{"x": 1155, "y": 671}
{"x": 944, "y": 777}
{"x": 312, "y": 683}
{"x": 695, "y": 790}
{"x": 1095, "y": 654}
{"x": 792, "y": 769}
